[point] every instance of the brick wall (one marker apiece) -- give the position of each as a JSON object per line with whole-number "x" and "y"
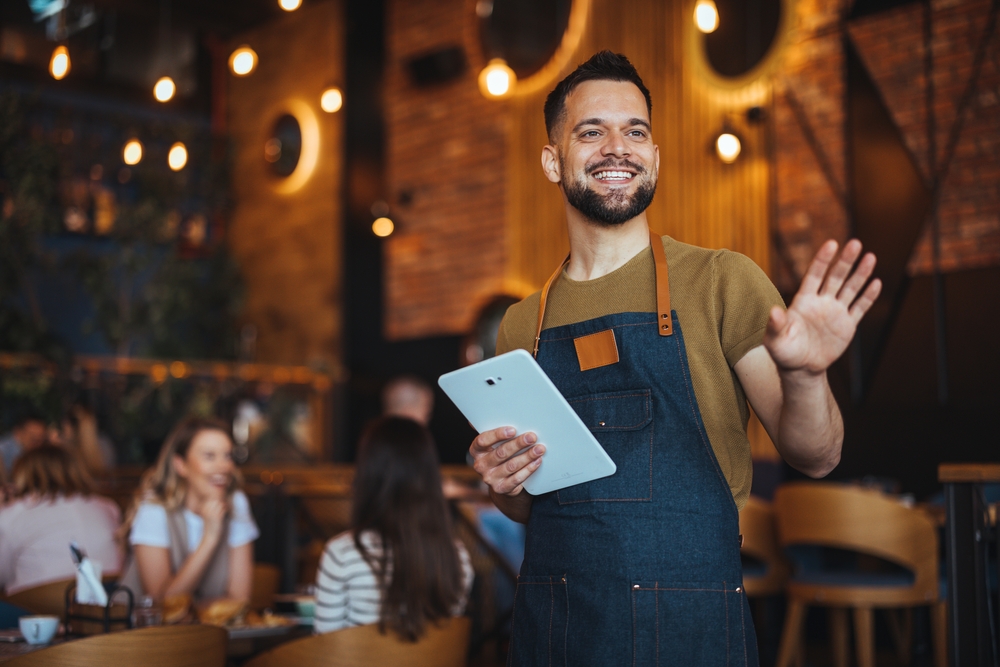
{"x": 446, "y": 167}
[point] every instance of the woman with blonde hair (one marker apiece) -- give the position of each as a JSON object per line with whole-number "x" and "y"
{"x": 190, "y": 526}
{"x": 53, "y": 505}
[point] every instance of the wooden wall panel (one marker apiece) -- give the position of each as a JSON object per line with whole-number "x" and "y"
{"x": 288, "y": 243}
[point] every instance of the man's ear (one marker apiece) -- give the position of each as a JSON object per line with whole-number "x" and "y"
{"x": 550, "y": 164}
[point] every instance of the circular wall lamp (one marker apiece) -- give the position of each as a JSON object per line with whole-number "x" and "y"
{"x": 289, "y": 5}
{"x": 177, "y": 157}
{"x": 728, "y": 147}
{"x": 331, "y": 100}
{"x": 59, "y": 64}
{"x": 383, "y": 227}
{"x": 243, "y": 61}
{"x": 706, "y": 16}
{"x": 164, "y": 89}
{"x": 132, "y": 153}
{"x": 309, "y": 153}
{"x": 497, "y": 79}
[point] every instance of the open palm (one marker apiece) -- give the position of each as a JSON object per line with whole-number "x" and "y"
{"x": 823, "y": 316}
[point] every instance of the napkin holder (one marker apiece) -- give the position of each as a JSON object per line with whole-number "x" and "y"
{"x": 94, "y": 619}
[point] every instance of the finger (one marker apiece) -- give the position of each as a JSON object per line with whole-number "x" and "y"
{"x": 512, "y": 447}
{"x": 840, "y": 269}
{"x": 858, "y": 279}
{"x": 512, "y": 484}
{"x": 813, "y": 279}
{"x": 485, "y": 440}
{"x": 865, "y": 301}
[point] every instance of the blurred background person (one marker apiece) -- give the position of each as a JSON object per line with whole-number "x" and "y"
{"x": 28, "y": 432}
{"x": 53, "y": 505}
{"x": 408, "y": 396}
{"x": 190, "y": 527}
{"x": 400, "y": 564}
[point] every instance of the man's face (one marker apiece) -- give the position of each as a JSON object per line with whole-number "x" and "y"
{"x": 31, "y": 434}
{"x": 607, "y": 161}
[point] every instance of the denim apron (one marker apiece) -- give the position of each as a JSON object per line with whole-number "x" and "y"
{"x": 642, "y": 567}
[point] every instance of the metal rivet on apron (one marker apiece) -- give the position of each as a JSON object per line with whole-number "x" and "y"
{"x": 739, "y": 589}
{"x": 664, "y": 316}
{"x": 600, "y": 423}
{"x": 635, "y": 587}
{"x": 564, "y": 580}
{"x": 665, "y": 326}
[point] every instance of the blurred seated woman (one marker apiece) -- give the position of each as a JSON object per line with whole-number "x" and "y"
{"x": 54, "y": 504}
{"x": 190, "y": 527}
{"x": 400, "y": 565}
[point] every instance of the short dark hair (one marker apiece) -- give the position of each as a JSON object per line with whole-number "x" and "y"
{"x": 602, "y": 66}
{"x": 28, "y": 414}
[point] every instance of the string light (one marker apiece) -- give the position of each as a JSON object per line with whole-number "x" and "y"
{"x": 706, "y": 16}
{"x": 289, "y": 5}
{"x": 243, "y": 61}
{"x": 59, "y": 64}
{"x": 164, "y": 89}
{"x": 383, "y": 227}
{"x": 728, "y": 147}
{"x": 497, "y": 79}
{"x": 132, "y": 153}
{"x": 331, "y": 100}
{"x": 177, "y": 157}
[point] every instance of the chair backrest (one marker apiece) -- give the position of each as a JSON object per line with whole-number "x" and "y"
{"x": 760, "y": 542}
{"x": 862, "y": 520}
{"x": 266, "y": 578}
{"x": 445, "y": 645}
{"x": 164, "y": 646}
{"x": 45, "y": 599}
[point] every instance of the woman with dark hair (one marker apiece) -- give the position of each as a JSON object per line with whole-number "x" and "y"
{"x": 53, "y": 505}
{"x": 400, "y": 565}
{"x": 190, "y": 526}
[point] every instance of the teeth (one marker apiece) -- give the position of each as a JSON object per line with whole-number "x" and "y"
{"x": 605, "y": 175}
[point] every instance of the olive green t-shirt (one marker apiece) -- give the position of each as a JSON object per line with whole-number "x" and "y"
{"x": 722, "y": 300}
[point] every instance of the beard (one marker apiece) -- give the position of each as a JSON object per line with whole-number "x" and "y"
{"x": 613, "y": 209}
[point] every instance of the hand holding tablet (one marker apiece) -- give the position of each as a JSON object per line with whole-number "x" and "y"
{"x": 512, "y": 390}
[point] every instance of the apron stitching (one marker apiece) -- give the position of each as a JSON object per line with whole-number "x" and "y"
{"x": 619, "y": 326}
{"x": 743, "y": 628}
{"x": 634, "y": 631}
{"x": 657, "y": 631}
{"x": 552, "y": 606}
{"x": 566, "y": 624}
{"x": 725, "y": 598}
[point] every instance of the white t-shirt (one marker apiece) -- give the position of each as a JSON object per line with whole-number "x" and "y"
{"x": 35, "y": 536}
{"x": 149, "y": 527}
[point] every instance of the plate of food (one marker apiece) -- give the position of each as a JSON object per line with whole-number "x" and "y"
{"x": 241, "y": 623}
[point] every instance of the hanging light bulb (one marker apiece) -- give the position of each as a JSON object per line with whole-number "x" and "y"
{"x": 289, "y": 5}
{"x": 706, "y": 16}
{"x": 497, "y": 79}
{"x": 331, "y": 100}
{"x": 59, "y": 63}
{"x": 243, "y": 61}
{"x": 383, "y": 227}
{"x": 132, "y": 153}
{"x": 727, "y": 145}
{"x": 177, "y": 157}
{"x": 164, "y": 89}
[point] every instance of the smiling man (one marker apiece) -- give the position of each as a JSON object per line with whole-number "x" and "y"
{"x": 659, "y": 346}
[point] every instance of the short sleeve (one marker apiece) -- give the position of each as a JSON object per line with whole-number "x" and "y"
{"x": 746, "y": 296}
{"x": 242, "y": 527}
{"x": 149, "y": 527}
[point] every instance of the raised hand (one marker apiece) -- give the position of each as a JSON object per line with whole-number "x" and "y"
{"x": 823, "y": 316}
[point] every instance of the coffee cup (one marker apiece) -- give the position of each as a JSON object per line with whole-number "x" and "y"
{"x": 38, "y": 629}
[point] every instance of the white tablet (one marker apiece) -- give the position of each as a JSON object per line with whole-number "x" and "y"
{"x": 513, "y": 390}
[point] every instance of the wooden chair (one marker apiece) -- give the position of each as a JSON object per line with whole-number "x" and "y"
{"x": 164, "y": 646}
{"x": 45, "y": 599}
{"x": 442, "y": 646}
{"x": 866, "y": 522}
{"x": 266, "y": 578}
{"x": 760, "y": 542}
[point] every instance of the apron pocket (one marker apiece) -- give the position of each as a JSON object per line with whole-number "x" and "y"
{"x": 622, "y": 421}
{"x": 540, "y": 622}
{"x": 689, "y": 623}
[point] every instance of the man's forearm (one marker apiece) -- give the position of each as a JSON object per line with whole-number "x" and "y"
{"x": 811, "y": 430}
{"x": 517, "y": 508}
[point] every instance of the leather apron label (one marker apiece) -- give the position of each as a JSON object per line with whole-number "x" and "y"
{"x": 596, "y": 350}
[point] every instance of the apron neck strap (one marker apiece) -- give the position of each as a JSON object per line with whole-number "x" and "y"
{"x": 664, "y": 322}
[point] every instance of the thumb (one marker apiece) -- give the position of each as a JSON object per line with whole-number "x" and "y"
{"x": 776, "y": 322}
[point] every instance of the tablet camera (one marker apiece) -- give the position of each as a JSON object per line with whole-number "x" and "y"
{"x": 490, "y": 381}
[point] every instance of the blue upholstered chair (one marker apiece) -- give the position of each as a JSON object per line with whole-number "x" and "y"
{"x": 832, "y": 532}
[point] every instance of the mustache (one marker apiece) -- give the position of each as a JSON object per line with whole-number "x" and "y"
{"x": 612, "y": 163}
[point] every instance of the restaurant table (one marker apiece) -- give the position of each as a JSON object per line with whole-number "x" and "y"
{"x": 967, "y": 535}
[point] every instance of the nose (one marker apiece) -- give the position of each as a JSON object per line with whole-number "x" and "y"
{"x": 615, "y": 145}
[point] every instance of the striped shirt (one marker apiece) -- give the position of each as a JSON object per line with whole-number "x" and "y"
{"x": 347, "y": 592}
